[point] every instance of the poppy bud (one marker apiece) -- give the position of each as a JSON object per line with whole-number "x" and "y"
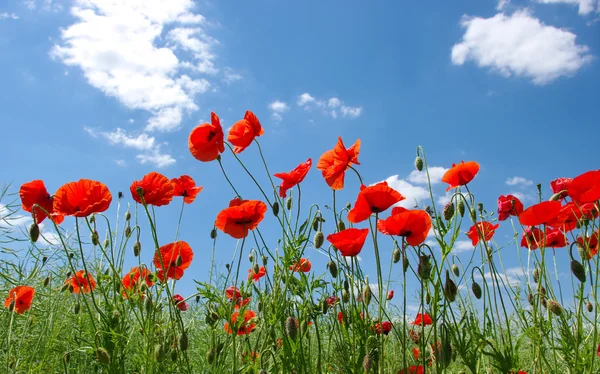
{"x": 390, "y": 295}
{"x": 128, "y": 231}
{"x": 46, "y": 281}
{"x": 543, "y": 291}
{"x": 213, "y": 233}
{"x": 137, "y": 248}
{"x": 480, "y": 208}
{"x": 44, "y": 259}
{"x": 67, "y": 357}
{"x": 76, "y": 308}
{"x": 578, "y": 270}
{"x": 11, "y": 305}
{"x": 251, "y": 257}
{"x": 530, "y": 299}
{"x": 103, "y": 356}
{"x": 106, "y": 243}
{"x": 424, "y": 268}
{"x": 92, "y": 218}
{"x": 473, "y": 215}
{"x": 554, "y": 307}
{"x": 256, "y": 268}
{"x": 448, "y": 211}
{"x": 544, "y": 302}
{"x": 159, "y": 352}
{"x": 333, "y": 270}
{"x": 178, "y": 260}
{"x": 429, "y": 211}
{"x": 428, "y": 298}
{"x": 557, "y": 196}
{"x": 324, "y": 306}
{"x": 184, "y": 341}
{"x": 536, "y": 275}
{"x": 450, "y": 289}
{"x": 227, "y": 266}
{"x": 456, "y": 270}
{"x": 419, "y": 163}
{"x": 461, "y": 208}
{"x": 396, "y": 255}
{"x": 34, "y": 232}
{"x": 476, "y": 288}
{"x": 265, "y": 260}
{"x": 174, "y": 355}
{"x": 64, "y": 287}
{"x": 404, "y": 262}
{"x": 589, "y": 307}
{"x": 345, "y": 296}
{"x": 127, "y": 215}
{"x": 71, "y": 288}
{"x": 140, "y": 191}
{"x": 318, "y": 240}
{"x": 288, "y": 203}
{"x": 291, "y": 327}
{"x": 446, "y": 352}
{"x": 346, "y": 285}
{"x": 275, "y": 209}
{"x": 348, "y": 206}
{"x": 367, "y": 363}
{"x": 341, "y": 225}
{"x": 315, "y": 225}
{"x": 259, "y": 306}
{"x": 149, "y": 305}
{"x": 366, "y": 293}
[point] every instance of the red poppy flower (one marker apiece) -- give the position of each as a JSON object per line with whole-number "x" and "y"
{"x": 176, "y": 257}
{"x": 256, "y": 276}
{"x": 135, "y": 277}
{"x": 233, "y": 292}
{"x": 332, "y": 300}
{"x": 302, "y": 265}
{"x": 486, "y": 230}
{"x": 373, "y": 199}
{"x": 33, "y": 193}
{"x": 340, "y": 317}
{"x": 245, "y": 327}
{"x": 349, "y": 241}
{"x": 335, "y": 162}
{"x": 294, "y": 177}
{"x": 555, "y": 238}
{"x": 82, "y": 282}
{"x": 508, "y": 206}
{"x": 156, "y": 189}
{"x": 206, "y": 140}
{"x": 532, "y": 238}
{"x": 390, "y": 295}
{"x": 21, "y": 297}
{"x": 571, "y": 214}
{"x": 423, "y": 319}
{"x": 244, "y": 131}
{"x": 460, "y": 174}
{"x": 413, "y": 225}
{"x": 416, "y": 353}
{"x": 540, "y": 213}
{"x": 585, "y": 188}
{"x": 179, "y": 302}
{"x": 560, "y": 185}
{"x": 240, "y": 217}
{"x": 82, "y": 198}
{"x": 186, "y": 187}
{"x": 384, "y": 327}
{"x": 413, "y": 370}
{"x": 589, "y": 244}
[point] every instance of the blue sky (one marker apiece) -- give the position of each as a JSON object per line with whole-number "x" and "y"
{"x": 109, "y": 90}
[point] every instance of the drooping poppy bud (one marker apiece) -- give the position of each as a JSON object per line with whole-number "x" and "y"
{"x": 473, "y": 215}
{"x": 94, "y": 238}
{"x": 159, "y": 352}
{"x": 554, "y": 307}
{"x": 405, "y": 263}
{"x": 578, "y": 270}
{"x": 318, "y": 239}
{"x": 366, "y": 293}
{"x": 34, "y": 232}
{"x": 333, "y": 269}
{"x": 315, "y": 224}
{"x": 288, "y": 203}
{"x": 589, "y": 307}
{"x": 324, "y": 306}
{"x": 46, "y": 281}
{"x": 291, "y": 327}
{"x": 419, "y": 163}
{"x": 424, "y": 268}
{"x": 213, "y": 233}
{"x": 456, "y": 270}
{"x": 345, "y": 296}
{"x": 396, "y": 255}
{"x": 448, "y": 211}
{"x": 265, "y": 260}
{"x": 341, "y": 225}
{"x": 184, "y": 341}
{"x": 103, "y": 356}
{"x": 461, "y": 208}
{"x": 450, "y": 288}
{"x": 536, "y": 275}
{"x": 128, "y": 231}
{"x": 476, "y": 288}
{"x": 275, "y": 209}
{"x": 137, "y": 248}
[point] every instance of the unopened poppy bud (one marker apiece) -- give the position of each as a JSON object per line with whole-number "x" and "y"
{"x": 103, "y": 356}
{"x": 456, "y": 270}
{"x": 140, "y": 191}
{"x": 428, "y": 298}
{"x": 291, "y": 327}
{"x": 341, "y": 225}
{"x": 396, "y": 255}
{"x": 76, "y": 308}
{"x": 275, "y": 209}
{"x": 424, "y": 268}
{"x": 159, "y": 352}
{"x": 174, "y": 355}
{"x": 473, "y": 215}
{"x": 265, "y": 260}
{"x": 137, "y": 248}
{"x": 148, "y": 304}
{"x": 46, "y": 281}
{"x": 71, "y": 288}
{"x": 461, "y": 208}
{"x": 345, "y": 296}
{"x": 178, "y": 260}
{"x": 11, "y": 305}
{"x": 333, "y": 270}
{"x": 128, "y": 231}
{"x": 589, "y": 307}
{"x": 324, "y": 306}
{"x": 256, "y": 269}
{"x": 543, "y": 291}
{"x": 554, "y": 307}
{"x": 446, "y": 352}
{"x": 390, "y": 295}
{"x": 318, "y": 239}
{"x": 530, "y": 299}
{"x": 578, "y": 270}
{"x": 288, "y": 203}
{"x": 315, "y": 225}
{"x": 127, "y": 215}
{"x": 448, "y": 211}
{"x": 197, "y": 298}
{"x": 366, "y": 293}
{"x": 211, "y": 354}
{"x": 44, "y": 259}
{"x": 450, "y": 289}
{"x": 251, "y": 257}
{"x": 106, "y": 243}
{"x": 227, "y": 266}
{"x": 214, "y": 316}
{"x": 404, "y": 263}
{"x": 67, "y": 357}
{"x": 92, "y": 218}
{"x": 367, "y": 363}
{"x": 64, "y": 287}
{"x": 476, "y": 288}
{"x": 544, "y": 302}
{"x": 34, "y": 232}
{"x": 348, "y": 206}
{"x": 419, "y": 163}
{"x": 213, "y": 233}
{"x": 259, "y": 306}
{"x": 480, "y": 208}
{"x": 184, "y": 341}
{"x": 536, "y": 275}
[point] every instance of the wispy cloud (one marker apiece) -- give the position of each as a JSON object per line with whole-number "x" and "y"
{"x": 6, "y": 15}
{"x": 514, "y": 181}
{"x": 277, "y": 109}
{"x": 333, "y": 107}
{"x": 585, "y": 6}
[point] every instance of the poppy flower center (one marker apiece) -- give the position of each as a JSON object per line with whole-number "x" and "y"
{"x": 244, "y": 222}
{"x": 211, "y": 135}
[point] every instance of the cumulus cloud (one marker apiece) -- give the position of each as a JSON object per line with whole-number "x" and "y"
{"x": 156, "y": 157}
{"x": 414, "y": 194}
{"x": 585, "y": 6}
{"x": 514, "y": 181}
{"x": 332, "y": 107}
{"x": 305, "y": 99}
{"x": 520, "y": 45}
{"x": 420, "y": 177}
{"x": 277, "y": 109}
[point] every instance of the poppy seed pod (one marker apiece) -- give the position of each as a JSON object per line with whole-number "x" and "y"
{"x": 103, "y": 356}
{"x": 341, "y": 226}
{"x": 450, "y": 289}
{"x": 456, "y": 270}
{"x": 127, "y": 215}
{"x": 137, "y": 248}
{"x": 318, "y": 239}
{"x": 367, "y": 363}
{"x": 578, "y": 270}
{"x": 34, "y": 232}
{"x": 448, "y": 211}
{"x": 461, "y": 208}
{"x": 333, "y": 269}
{"x": 396, "y": 255}
{"x": 366, "y": 293}
{"x": 424, "y": 268}
{"x": 291, "y": 327}
{"x": 476, "y": 288}
{"x": 275, "y": 209}
{"x": 184, "y": 341}
{"x": 213, "y": 233}
{"x": 289, "y": 203}
{"x": 554, "y": 307}
{"x": 419, "y": 163}
{"x": 174, "y": 355}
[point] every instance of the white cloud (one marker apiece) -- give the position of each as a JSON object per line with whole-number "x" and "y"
{"x": 413, "y": 194}
{"x": 349, "y": 111}
{"x": 279, "y": 106}
{"x": 585, "y": 6}
{"x": 6, "y": 15}
{"x": 277, "y": 117}
{"x": 334, "y": 102}
{"x": 230, "y": 76}
{"x": 46, "y": 5}
{"x": 522, "y": 196}
{"x": 157, "y": 158}
{"x": 304, "y": 99}
{"x": 332, "y": 107}
{"x": 117, "y": 46}
{"x": 520, "y": 45}
{"x": 518, "y": 181}
{"x": 10, "y": 218}
{"x": 461, "y": 246}
{"x": 420, "y": 177}
{"x": 502, "y": 4}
